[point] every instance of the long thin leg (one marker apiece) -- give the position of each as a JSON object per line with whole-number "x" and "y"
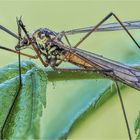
{"x": 122, "y": 105}
{"x": 30, "y": 41}
{"x": 66, "y": 38}
{"x": 123, "y": 109}
{"x": 17, "y": 37}
{"x": 19, "y": 33}
{"x": 13, "y": 102}
{"x": 62, "y": 34}
{"x": 16, "y": 95}
{"x": 17, "y": 52}
{"x": 8, "y": 31}
{"x": 10, "y": 111}
{"x": 100, "y": 23}
{"x": 117, "y": 86}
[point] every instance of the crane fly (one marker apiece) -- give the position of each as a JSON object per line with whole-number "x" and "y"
{"x": 51, "y": 51}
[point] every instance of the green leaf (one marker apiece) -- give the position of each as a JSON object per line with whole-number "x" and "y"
{"x": 24, "y": 120}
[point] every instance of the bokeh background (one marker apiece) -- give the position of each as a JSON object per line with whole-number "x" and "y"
{"x": 107, "y": 122}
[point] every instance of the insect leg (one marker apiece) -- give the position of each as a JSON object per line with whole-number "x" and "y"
{"x": 20, "y": 23}
{"x": 123, "y": 109}
{"x": 66, "y": 38}
{"x": 63, "y": 34}
{"x": 122, "y": 105}
{"x": 8, "y": 31}
{"x": 17, "y": 52}
{"x": 15, "y": 36}
{"x": 116, "y": 83}
{"x": 100, "y": 23}
{"x": 3, "y": 129}
{"x": 19, "y": 60}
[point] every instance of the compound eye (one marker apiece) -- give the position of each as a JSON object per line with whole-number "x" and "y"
{"x": 41, "y": 35}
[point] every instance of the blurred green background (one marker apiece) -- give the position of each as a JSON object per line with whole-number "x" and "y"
{"x": 107, "y": 122}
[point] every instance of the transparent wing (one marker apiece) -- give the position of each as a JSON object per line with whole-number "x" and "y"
{"x": 107, "y": 67}
{"x": 106, "y": 27}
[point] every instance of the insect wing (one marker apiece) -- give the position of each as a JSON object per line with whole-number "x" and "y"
{"x": 106, "y": 27}
{"x": 110, "y": 68}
